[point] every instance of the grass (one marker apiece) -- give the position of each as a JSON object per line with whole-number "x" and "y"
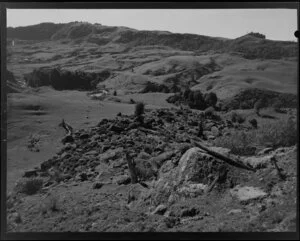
{"x": 281, "y": 133}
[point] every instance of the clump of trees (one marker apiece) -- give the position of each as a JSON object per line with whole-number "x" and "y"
{"x": 257, "y": 35}
{"x": 194, "y": 99}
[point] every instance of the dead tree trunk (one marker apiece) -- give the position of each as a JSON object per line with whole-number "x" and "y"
{"x": 224, "y": 158}
{"x": 131, "y": 167}
{"x": 67, "y": 127}
{"x": 280, "y": 172}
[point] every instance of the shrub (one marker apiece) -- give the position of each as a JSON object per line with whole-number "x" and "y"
{"x": 240, "y": 119}
{"x": 211, "y": 99}
{"x": 253, "y": 122}
{"x": 139, "y": 108}
{"x": 30, "y": 186}
{"x": 258, "y": 106}
{"x": 277, "y": 105}
{"x": 115, "y": 93}
{"x": 210, "y": 111}
{"x": 51, "y": 204}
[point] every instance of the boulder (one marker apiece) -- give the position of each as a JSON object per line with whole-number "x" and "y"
{"x": 195, "y": 166}
{"x": 246, "y": 194}
{"x": 265, "y": 151}
{"x": 110, "y": 154}
{"x": 97, "y": 185}
{"x": 32, "y": 173}
{"x": 192, "y": 190}
{"x": 116, "y": 128}
{"x": 189, "y": 212}
{"x": 67, "y": 139}
{"x": 234, "y": 211}
{"x": 221, "y": 150}
{"x": 160, "y": 159}
{"x": 122, "y": 180}
{"x": 215, "y": 131}
{"x": 160, "y": 210}
{"x": 258, "y": 162}
{"x": 84, "y": 136}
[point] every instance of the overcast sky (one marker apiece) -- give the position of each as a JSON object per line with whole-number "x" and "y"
{"x": 277, "y": 24}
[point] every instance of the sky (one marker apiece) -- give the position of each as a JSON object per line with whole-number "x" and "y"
{"x": 276, "y": 24}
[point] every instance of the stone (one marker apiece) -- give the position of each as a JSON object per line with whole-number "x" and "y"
{"x": 195, "y": 165}
{"x": 210, "y": 137}
{"x": 189, "y": 212}
{"x": 192, "y": 190}
{"x": 246, "y": 194}
{"x": 161, "y": 158}
{"x": 67, "y": 139}
{"x": 65, "y": 155}
{"x": 215, "y": 131}
{"x": 122, "y": 180}
{"x": 110, "y": 154}
{"x": 97, "y": 185}
{"x": 258, "y": 162}
{"x": 209, "y": 125}
{"x": 116, "y": 128}
{"x": 265, "y": 151}
{"x": 84, "y": 136}
{"x": 16, "y": 217}
{"x": 234, "y": 211}
{"x": 32, "y": 173}
{"x": 160, "y": 210}
{"x": 92, "y": 153}
{"x": 221, "y": 150}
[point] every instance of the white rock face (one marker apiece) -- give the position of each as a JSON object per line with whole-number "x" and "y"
{"x": 246, "y": 194}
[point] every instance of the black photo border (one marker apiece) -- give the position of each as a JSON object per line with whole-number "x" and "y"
{"x": 126, "y": 5}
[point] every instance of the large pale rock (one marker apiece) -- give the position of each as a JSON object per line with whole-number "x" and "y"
{"x": 192, "y": 190}
{"x": 195, "y": 166}
{"x": 110, "y": 154}
{"x": 246, "y": 194}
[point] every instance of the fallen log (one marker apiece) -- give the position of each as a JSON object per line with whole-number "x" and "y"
{"x": 224, "y": 158}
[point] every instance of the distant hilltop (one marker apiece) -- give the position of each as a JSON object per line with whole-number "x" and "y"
{"x": 251, "y": 45}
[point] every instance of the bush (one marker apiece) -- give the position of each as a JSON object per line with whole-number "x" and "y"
{"x": 115, "y": 93}
{"x": 30, "y": 187}
{"x": 211, "y": 99}
{"x": 253, "y": 122}
{"x": 237, "y": 118}
{"x": 210, "y": 111}
{"x": 258, "y": 106}
{"x": 139, "y": 109}
{"x": 277, "y": 106}
{"x": 50, "y": 204}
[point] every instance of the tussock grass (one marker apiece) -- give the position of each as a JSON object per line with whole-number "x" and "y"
{"x": 281, "y": 133}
